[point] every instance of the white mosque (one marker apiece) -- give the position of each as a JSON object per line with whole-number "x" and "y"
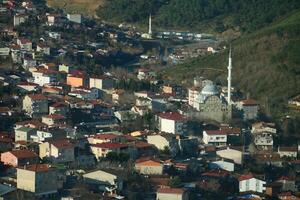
{"x": 206, "y": 98}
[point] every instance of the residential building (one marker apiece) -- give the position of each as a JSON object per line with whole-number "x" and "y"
{"x": 35, "y": 105}
{"x": 41, "y": 136}
{"x": 232, "y": 154}
{"x": 249, "y": 109}
{"x": 45, "y": 49}
{"x": 76, "y": 18}
{"x": 19, "y": 158}
{"x": 77, "y": 80}
{"x": 59, "y": 151}
{"x": 54, "y": 120}
{"x": 40, "y": 179}
{"x": 287, "y": 183}
{"x": 171, "y": 194}
{"x": 59, "y": 108}
{"x": 106, "y": 138}
{"x": 101, "y": 82}
{"x": 291, "y": 152}
{"x": 221, "y": 164}
{"x": 171, "y": 122}
{"x": 215, "y": 137}
{"x": 44, "y": 76}
{"x": 105, "y": 179}
{"x": 149, "y": 166}
{"x": 25, "y": 44}
{"x": 101, "y": 150}
{"x": 24, "y": 133}
{"x": 164, "y": 141}
{"x": 19, "y": 19}
{"x": 249, "y": 182}
{"x": 28, "y": 86}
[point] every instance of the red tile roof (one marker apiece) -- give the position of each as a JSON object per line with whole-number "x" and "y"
{"x": 25, "y": 153}
{"x": 171, "y": 116}
{"x": 59, "y": 105}
{"x": 55, "y": 116}
{"x": 216, "y": 132}
{"x": 62, "y": 144}
{"x": 109, "y": 145}
{"x": 171, "y": 190}
{"x": 106, "y": 136}
{"x": 216, "y": 173}
{"x": 249, "y": 102}
{"x": 37, "y": 97}
{"x": 38, "y": 167}
{"x": 28, "y": 84}
{"x": 246, "y": 177}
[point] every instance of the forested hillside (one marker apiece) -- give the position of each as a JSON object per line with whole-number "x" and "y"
{"x": 266, "y": 64}
{"x": 248, "y": 15}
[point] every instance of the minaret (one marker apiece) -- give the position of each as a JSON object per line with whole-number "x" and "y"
{"x": 229, "y": 77}
{"x": 150, "y": 25}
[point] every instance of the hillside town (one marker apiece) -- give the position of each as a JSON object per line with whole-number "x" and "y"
{"x": 78, "y": 122}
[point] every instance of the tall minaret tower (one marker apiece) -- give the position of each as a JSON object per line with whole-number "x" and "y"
{"x": 150, "y": 25}
{"x": 229, "y": 77}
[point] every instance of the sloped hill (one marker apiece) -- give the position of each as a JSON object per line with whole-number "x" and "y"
{"x": 266, "y": 64}
{"x": 87, "y": 7}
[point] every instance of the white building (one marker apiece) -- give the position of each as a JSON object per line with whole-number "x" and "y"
{"x": 194, "y": 92}
{"x": 221, "y": 164}
{"x": 43, "y": 77}
{"x": 215, "y": 137}
{"x": 250, "y": 183}
{"x": 263, "y": 141}
{"x": 77, "y": 18}
{"x": 171, "y": 122}
{"x": 4, "y": 51}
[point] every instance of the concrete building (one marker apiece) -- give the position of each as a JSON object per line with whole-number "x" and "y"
{"x": 171, "y": 122}
{"x": 105, "y": 180}
{"x": 35, "y": 105}
{"x": 39, "y": 179}
{"x": 171, "y": 194}
{"x": 76, "y": 80}
{"x": 101, "y": 150}
{"x": 58, "y": 151}
{"x": 25, "y": 44}
{"x": 44, "y": 76}
{"x": 101, "y": 82}
{"x": 249, "y": 109}
{"x": 24, "y": 133}
{"x": 163, "y": 141}
{"x": 149, "y": 166}
{"x": 19, "y": 158}
{"x": 54, "y": 120}
{"x": 19, "y": 19}
{"x": 221, "y": 164}
{"x": 249, "y": 183}
{"x": 45, "y": 49}
{"x": 232, "y": 154}
{"x": 215, "y": 137}
{"x": 77, "y": 18}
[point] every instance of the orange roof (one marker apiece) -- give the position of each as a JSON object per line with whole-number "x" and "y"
{"x": 171, "y": 116}
{"x": 246, "y": 177}
{"x": 171, "y": 190}
{"x": 148, "y": 162}
{"x": 25, "y": 153}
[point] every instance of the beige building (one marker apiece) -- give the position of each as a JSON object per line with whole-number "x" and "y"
{"x": 35, "y": 105}
{"x": 163, "y": 141}
{"x": 149, "y": 166}
{"x": 232, "y": 154}
{"x": 101, "y": 82}
{"x": 172, "y": 194}
{"x": 39, "y": 179}
{"x": 60, "y": 151}
{"x": 101, "y": 150}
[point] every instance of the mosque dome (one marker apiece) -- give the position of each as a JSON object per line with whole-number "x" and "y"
{"x": 210, "y": 89}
